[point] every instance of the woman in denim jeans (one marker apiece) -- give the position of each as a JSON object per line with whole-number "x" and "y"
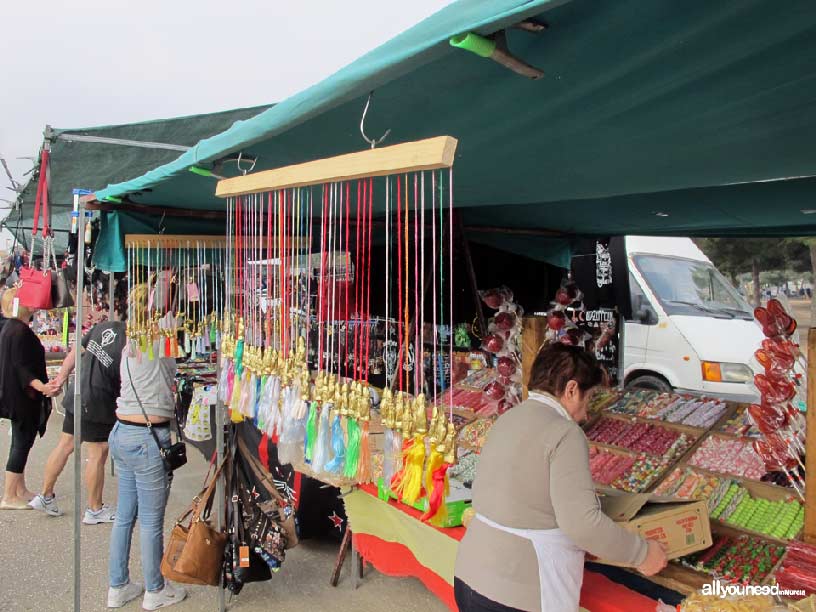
{"x": 147, "y": 396}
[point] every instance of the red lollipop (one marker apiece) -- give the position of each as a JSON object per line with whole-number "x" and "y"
{"x": 562, "y": 297}
{"x": 774, "y": 389}
{"x": 506, "y": 366}
{"x": 785, "y": 322}
{"x": 556, "y": 320}
{"x": 763, "y": 450}
{"x": 493, "y": 343}
{"x": 495, "y": 390}
{"x": 773, "y": 362}
{"x": 505, "y": 320}
{"x": 493, "y": 298}
{"x": 782, "y": 348}
{"x": 767, "y": 418}
{"x": 782, "y": 450}
{"x": 768, "y": 322}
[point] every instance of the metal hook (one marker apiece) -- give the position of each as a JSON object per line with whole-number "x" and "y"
{"x": 250, "y": 169}
{"x": 373, "y": 143}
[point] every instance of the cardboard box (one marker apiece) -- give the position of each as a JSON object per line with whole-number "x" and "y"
{"x": 681, "y": 524}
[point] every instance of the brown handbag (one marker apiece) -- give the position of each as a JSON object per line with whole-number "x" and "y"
{"x": 195, "y": 552}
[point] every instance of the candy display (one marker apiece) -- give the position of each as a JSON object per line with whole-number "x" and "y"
{"x": 685, "y": 483}
{"x": 728, "y": 456}
{"x": 474, "y": 434}
{"x": 607, "y": 467}
{"x": 798, "y": 570}
{"x": 740, "y": 424}
{"x": 644, "y": 473}
{"x": 781, "y": 519}
{"x": 744, "y": 560}
{"x": 601, "y": 399}
{"x": 503, "y": 340}
{"x": 640, "y": 437}
{"x": 670, "y": 407}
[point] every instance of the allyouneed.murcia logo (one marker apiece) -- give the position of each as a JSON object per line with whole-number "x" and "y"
{"x": 718, "y": 589}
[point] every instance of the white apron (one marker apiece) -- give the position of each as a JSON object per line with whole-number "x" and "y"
{"x": 560, "y": 565}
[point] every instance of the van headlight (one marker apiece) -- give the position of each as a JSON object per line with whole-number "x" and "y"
{"x": 727, "y": 372}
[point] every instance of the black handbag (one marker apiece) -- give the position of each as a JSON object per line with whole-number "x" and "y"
{"x": 60, "y": 290}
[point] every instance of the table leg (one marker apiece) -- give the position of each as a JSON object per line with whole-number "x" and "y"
{"x": 341, "y": 557}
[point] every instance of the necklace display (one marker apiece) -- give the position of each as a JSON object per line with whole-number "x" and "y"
{"x": 299, "y": 342}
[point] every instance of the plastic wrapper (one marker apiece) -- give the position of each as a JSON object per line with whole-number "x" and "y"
{"x": 494, "y": 298}
{"x": 495, "y": 390}
{"x": 506, "y": 366}
{"x": 775, "y": 389}
{"x": 493, "y": 343}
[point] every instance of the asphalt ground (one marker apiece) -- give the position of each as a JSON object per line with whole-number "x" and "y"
{"x": 36, "y": 557}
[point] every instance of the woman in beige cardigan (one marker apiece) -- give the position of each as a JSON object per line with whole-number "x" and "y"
{"x": 535, "y": 503}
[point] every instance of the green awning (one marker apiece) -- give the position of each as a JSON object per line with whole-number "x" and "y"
{"x": 683, "y": 109}
{"x": 89, "y": 158}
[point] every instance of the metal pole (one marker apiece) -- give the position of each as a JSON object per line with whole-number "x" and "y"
{"x": 112, "y": 316}
{"x": 80, "y": 254}
{"x": 219, "y": 487}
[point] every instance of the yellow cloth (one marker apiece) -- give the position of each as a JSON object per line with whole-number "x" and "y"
{"x": 370, "y": 515}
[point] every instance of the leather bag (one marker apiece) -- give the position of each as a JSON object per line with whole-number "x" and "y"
{"x": 194, "y": 553}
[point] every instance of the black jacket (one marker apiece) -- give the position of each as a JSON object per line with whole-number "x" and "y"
{"x": 22, "y": 360}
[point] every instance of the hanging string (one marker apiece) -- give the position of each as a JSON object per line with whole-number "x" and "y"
{"x": 368, "y": 279}
{"x": 324, "y": 212}
{"x": 450, "y": 285}
{"x": 399, "y": 283}
{"x": 433, "y": 280}
{"x": 417, "y": 348}
{"x": 406, "y": 327}
{"x": 387, "y": 279}
{"x": 422, "y": 284}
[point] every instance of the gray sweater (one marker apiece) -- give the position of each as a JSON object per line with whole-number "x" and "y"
{"x": 533, "y": 473}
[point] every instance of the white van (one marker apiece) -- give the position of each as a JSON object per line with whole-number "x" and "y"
{"x": 691, "y": 331}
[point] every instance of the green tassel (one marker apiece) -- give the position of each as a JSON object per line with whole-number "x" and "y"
{"x": 353, "y": 448}
{"x": 311, "y": 431}
{"x": 65, "y": 330}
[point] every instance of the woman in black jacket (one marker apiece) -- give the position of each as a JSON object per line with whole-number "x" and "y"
{"x": 24, "y": 393}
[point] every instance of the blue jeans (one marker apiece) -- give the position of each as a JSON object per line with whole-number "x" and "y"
{"x": 143, "y": 491}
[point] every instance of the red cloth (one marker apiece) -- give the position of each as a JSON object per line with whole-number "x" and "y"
{"x": 598, "y": 593}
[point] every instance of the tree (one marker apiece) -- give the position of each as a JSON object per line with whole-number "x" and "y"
{"x": 809, "y": 246}
{"x": 733, "y": 256}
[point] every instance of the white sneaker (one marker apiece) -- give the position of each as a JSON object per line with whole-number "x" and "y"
{"x": 169, "y": 595}
{"x": 105, "y": 514}
{"x": 46, "y": 504}
{"x": 120, "y": 596}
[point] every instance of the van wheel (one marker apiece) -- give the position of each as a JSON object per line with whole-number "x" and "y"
{"x": 652, "y": 383}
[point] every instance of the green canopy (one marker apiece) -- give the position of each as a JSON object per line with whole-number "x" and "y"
{"x": 89, "y": 158}
{"x": 657, "y": 117}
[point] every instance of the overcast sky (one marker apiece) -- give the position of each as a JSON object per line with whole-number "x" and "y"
{"x": 82, "y": 63}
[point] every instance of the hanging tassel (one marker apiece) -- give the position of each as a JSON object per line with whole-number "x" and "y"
{"x": 322, "y": 451}
{"x": 403, "y": 424}
{"x": 388, "y": 456}
{"x": 364, "y": 463}
{"x": 353, "y": 450}
{"x": 235, "y": 403}
{"x": 439, "y": 485}
{"x": 263, "y": 451}
{"x": 411, "y": 484}
{"x": 335, "y": 466}
{"x": 311, "y": 432}
{"x": 256, "y": 398}
{"x": 65, "y": 329}
{"x": 229, "y": 373}
{"x": 262, "y": 412}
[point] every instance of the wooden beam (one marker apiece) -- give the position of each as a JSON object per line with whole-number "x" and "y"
{"x": 428, "y": 154}
{"x": 533, "y": 332}
{"x": 810, "y": 442}
{"x": 179, "y": 241}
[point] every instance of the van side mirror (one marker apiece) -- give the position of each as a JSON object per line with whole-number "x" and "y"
{"x": 644, "y": 315}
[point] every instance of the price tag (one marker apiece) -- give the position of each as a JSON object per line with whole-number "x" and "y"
{"x": 243, "y": 556}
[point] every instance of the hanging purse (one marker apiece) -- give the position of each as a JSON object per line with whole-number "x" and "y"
{"x": 60, "y": 292}
{"x": 35, "y": 285}
{"x": 194, "y": 553}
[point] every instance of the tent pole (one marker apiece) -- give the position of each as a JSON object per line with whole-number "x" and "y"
{"x": 80, "y": 254}
{"x": 219, "y": 487}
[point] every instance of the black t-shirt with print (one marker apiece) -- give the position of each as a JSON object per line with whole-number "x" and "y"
{"x": 100, "y": 372}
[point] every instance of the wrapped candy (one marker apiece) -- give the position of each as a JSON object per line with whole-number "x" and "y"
{"x": 767, "y": 417}
{"x": 556, "y": 320}
{"x": 495, "y": 390}
{"x": 505, "y": 321}
{"x": 784, "y": 322}
{"x": 775, "y": 389}
{"x": 506, "y": 366}
{"x": 494, "y": 298}
{"x": 493, "y": 343}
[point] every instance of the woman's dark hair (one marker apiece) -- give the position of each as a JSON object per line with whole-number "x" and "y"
{"x": 556, "y": 364}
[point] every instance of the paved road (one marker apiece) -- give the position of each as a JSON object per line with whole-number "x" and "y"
{"x": 36, "y": 559}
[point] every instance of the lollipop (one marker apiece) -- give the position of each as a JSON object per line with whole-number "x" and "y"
{"x": 784, "y": 321}
{"x": 494, "y": 298}
{"x": 768, "y": 322}
{"x": 781, "y": 347}
{"x": 495, "y": 390}
{"x": 779, "y": 363}
{"x": 775, "y": 389}
{"x": 556, "y": 320}
{"x": 506, "y": 366}
{"x": 505, "y": 321}
{"x": 493, "y": 343}
{"x": 767, "y": 418}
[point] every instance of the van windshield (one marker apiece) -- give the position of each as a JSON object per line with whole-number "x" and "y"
{"x": 688, "y": 287}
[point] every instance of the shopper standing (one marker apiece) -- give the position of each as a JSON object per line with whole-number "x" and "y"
{"x": 101, "y": 358}
{"x": 535, "y": 503}
{"x": 24, "y": 396}
{"x": 147, "y": 396}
